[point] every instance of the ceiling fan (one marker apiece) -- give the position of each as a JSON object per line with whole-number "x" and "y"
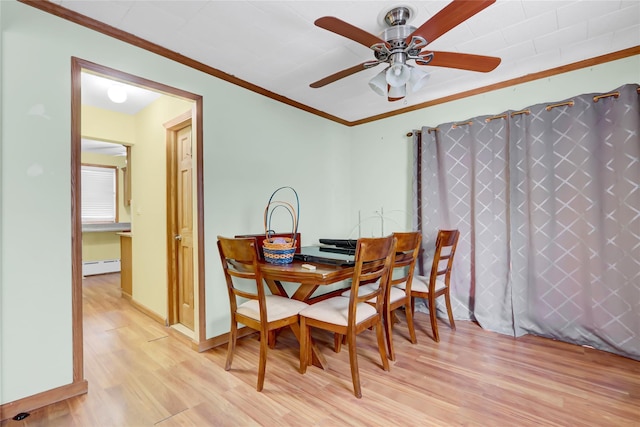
{"x": 400, "y": 43}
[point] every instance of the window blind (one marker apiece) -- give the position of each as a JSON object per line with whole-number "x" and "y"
{"x": 98, "y": 193}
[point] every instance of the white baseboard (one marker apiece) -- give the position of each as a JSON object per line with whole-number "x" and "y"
{"x": 90, "y": 268}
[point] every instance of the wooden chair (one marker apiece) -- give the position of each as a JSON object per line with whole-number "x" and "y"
{"x": 261, "y": 312}
{"x": 438, "y": 282}
{"x": 398, "y": 292}
{"x": 350, "y": 316}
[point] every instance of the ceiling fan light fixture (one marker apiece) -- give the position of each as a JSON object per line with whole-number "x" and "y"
{"x": 117, "y": 93}
{"x": 396, "y": 93}
{"x": 398, "y": 74}
{"x": 418, "y": 79}
{"x": 379, "y": 83}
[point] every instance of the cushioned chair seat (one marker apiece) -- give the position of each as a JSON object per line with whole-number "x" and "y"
{"x": 421, "y": 284}
{"x": 336, "y": 311}
{"x": 277, "y": 308}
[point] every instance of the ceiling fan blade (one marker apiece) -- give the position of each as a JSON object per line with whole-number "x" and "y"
{"x": 452, "y": 15}
{"x": 339, "y": 75}
{"x": 347, "y": 30}
{"x": 462, "y": 61}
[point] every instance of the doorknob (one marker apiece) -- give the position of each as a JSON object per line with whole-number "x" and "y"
{"x": 177, "y": 237}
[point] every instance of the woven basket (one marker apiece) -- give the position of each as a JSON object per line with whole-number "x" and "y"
{"x": 278, "y": 256}
{"x": 280, "y": 250}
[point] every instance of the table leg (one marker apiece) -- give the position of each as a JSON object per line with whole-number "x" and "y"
{"x": 276, "y": 288}
{"x": 317, "y": 357}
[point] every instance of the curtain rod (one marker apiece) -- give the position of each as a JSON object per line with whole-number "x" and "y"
{"x": 560, "y": 104}
{"x": 598, "y": 97}
{"x": 527, "y": 111}
{"x": 501, "y": 116}
{"x": 457, "y": 125}
{"x": 516, "y": 113}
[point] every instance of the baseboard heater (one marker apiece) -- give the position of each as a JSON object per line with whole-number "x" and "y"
{"x": 90, "y": 268}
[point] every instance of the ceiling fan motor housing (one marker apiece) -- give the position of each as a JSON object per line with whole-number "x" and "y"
{"x": 396, "y": 38}
{"x": 397, "y": 35}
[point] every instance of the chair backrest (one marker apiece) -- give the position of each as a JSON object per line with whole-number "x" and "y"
{"x": 446, "y": 244}
{"x": 404, "y": 260}
{"x": 239, "y": 258}
{"x": 372, "y": 265}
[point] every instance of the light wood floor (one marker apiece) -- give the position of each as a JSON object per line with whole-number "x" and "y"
{"x": 141, "y": 373}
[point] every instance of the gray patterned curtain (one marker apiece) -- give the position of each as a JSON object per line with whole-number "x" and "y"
{"x": 547, "y": 201}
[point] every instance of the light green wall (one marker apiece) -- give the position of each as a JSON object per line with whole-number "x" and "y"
{"x": 252, "y": 145}
{"x": 36, "y": 230}
{"x": 2, "y": 185}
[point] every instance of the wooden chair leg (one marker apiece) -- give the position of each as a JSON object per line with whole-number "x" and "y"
{"x": 303, "y": 345}
{"x": 353, "y": 362}
{"x": 408, "y": 310}
{"x": 447, "y": 300}
{"x": 434, "y": 319}
{"x": 381, "y": 347}
{"x": 413, "y": 305}
{"x": 272, "y": 338}
{"x": 264, "y": 344}
{"x": 337, "y": 342}
{"x": 388, "y": 324}
{"x": 233, "y": 335}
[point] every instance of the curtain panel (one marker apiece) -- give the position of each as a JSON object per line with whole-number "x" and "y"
{"x": 547, "y": 201}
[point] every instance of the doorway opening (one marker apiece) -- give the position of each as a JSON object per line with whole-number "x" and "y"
{"x": 79, "y": 67}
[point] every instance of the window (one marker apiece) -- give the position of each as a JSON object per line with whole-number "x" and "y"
{"x": 99, "y": 184}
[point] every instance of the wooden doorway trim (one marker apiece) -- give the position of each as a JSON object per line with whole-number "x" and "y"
{"x": 77, "y": 67}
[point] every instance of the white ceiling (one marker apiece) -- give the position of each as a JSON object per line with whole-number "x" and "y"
{"x": 276, "y": 46}
{"x": 94, "y": 92}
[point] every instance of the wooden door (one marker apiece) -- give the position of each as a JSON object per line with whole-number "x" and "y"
{"x": 184, "y": 226}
